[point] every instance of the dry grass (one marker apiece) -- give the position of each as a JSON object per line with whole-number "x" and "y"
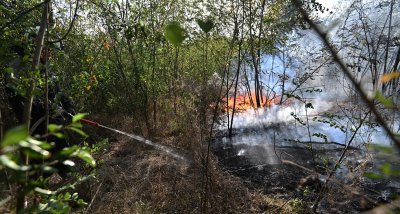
{"x": 136, "y": 178}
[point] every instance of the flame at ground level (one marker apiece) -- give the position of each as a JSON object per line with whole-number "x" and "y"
{"x": 245, "y": 102}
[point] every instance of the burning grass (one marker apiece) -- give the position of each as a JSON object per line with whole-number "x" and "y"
{"x": 245, "y": 102}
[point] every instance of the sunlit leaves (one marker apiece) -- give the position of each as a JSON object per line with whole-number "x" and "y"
{"x": 76, "y": 151}
{"x": 78, "y": 117}
{"x": 174, "y": 33}
{"x": 77, "y": 130}
{"x": 33, "y": 151}
{"x": 53, "y": 128}
{"x": 382, "y": 99}
{"x": 9, "y": 163}
{"x": 206, "y": 26}
{"x": 14, "y": 136}
{"x": 69, "y": 163}
{"x": 85, "y": 156}
{"x": 43, "y": 191}
{"x": 372, "y": 175}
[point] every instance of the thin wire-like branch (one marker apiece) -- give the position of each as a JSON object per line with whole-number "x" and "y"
{"x": 71, "y": 25}
{"x": 94, "y": 197}
{"x": 22, "y": 14}
{"x": 348, "y": 74}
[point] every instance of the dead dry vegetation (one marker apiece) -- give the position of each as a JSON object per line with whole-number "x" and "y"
{"x": 136, "y": 178}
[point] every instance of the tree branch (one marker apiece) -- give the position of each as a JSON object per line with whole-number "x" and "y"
{"x": 22, "y": 14}
{"x": 70, "y": 26}
{"x": 348, "y": 74}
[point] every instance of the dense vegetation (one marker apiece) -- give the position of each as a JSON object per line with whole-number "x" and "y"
{"x": 175, "y": 72}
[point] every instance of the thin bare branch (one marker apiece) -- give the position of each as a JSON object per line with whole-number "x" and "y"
{"x": 22, "y": 14}
{"x": 331, "y": 48}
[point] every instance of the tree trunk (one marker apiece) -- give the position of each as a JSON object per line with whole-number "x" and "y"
{"x": 29, "y": 93}
{"x": 236, "y": 85}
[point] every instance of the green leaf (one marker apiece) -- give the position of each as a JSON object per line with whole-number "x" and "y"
{"x": 174, "y": 33}
{"x": 67, "y": 196}
{"x": 59, "y": 135}
{"x": 81, "y": 202}
{"x": 78, "y": 117}
{"x": 42, "y": 145}
{"x": 48, "y": 169}
{"x": 68, "y": 163}
{"x": 75, "y": 196}
{"x": 388, "y": 103}
{"x": 206, "y": 26}
{"x": 42, "y": 207}
{"x": 14, "y": 136}
{"x": 372, "y": 175}
{"x": 6, "y": 161}
{"x": 34, "y": 150}
{"x": 386, "y": 169}
{"x": 68, "y": 151}
{"x": 35, "y": 142}
{"x": 54, "y": 128}
{"x": 83, "y": 134}
{"x": 85, "y": 156}
{"x": 43, "y": 191}
{"x": 77, "y": 125}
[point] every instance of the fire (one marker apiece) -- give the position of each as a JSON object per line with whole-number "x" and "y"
{"x": 243, "y": 102}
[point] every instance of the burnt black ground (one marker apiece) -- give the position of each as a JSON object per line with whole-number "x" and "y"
{"x": 261, "y": 169}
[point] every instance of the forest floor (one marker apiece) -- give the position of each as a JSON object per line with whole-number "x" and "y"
{"x": 136, "y": 178}
{"x": 291, "y": 174}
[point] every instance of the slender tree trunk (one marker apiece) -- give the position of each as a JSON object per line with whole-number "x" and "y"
{"x": 29, "y": 93}
{"x": 1, "y": 126}
{"x": 153, "y": 67}
{"x": 283, "y": 79}
{"x": 175, "y": 88}
{"x": 35, "y": 62}
{"x": 236, "y": 85}
{"x": 395, "y": 66}
{"x": 46, "y": 90}
{"x": 385, "y": 85}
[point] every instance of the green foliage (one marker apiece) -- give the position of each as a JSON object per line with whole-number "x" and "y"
{"x": 174, "y": 33}
{"x": 206, "y": 26}
{"x": 373, "y": 175}
{"x": 386, "y": 170}
{"x": 14, "y": 136}
{"x": 97, "y": 147}
{"x": 17, "y": 145}
{"x": 388, "y": 103}
{"x": 61, "y": 200}
{"x": 296, "y": 205}
{"x": 321, "y": 135}
{"x": 78, "y": 117}
{"x": 298, "y": 119}
{"x": 332, "y": 123}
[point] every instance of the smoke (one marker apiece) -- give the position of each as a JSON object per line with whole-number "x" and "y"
{"x": 296, "y": 124}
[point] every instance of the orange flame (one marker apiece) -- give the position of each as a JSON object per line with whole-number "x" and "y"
{"x": 243, "y": 102}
